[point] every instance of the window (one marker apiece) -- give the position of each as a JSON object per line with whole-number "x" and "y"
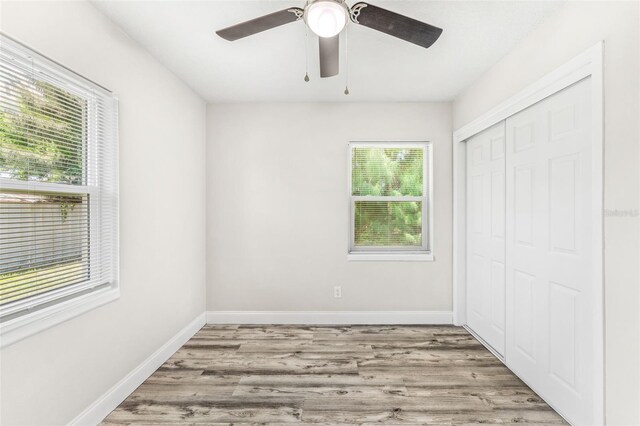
{"x": 58, "y": 186}
{"x": 390, "y": 200}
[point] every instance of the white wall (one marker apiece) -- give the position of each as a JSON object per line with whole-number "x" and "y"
{"x": 277, "y": 208}
{"x": 49, "y": 378}
{"x": 572, "y": 30}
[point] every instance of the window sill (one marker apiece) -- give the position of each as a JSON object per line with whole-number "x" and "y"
{"x": 27, "y": 325}
{"x": 390, "y": 257}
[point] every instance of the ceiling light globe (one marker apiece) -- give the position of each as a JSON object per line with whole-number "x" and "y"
{"x": 326, "y": 18}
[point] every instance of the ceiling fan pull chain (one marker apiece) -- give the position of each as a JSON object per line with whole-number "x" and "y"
{"x": 346, "y": 62}
{"x": 306, "y": 54}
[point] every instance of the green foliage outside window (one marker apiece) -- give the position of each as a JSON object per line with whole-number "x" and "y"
{"x": 41, "y": 136}
{"x": 42, "y": 139}
{"x": 387, "y": 172}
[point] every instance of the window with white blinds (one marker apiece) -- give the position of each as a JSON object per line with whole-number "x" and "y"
{"x": 58, "y": 183}
{"x": 390, "y": 197}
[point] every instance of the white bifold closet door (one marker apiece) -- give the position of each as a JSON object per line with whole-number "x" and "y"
{"x": 485, "y": 236}
{"x": 550, "y": 284}
{"x": 530, "y": 283}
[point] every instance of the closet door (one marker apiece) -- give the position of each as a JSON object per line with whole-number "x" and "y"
{"x": 485, "y": 236}
{"x": 550, "y": 291}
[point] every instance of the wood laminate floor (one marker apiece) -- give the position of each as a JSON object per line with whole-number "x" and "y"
{"x": 333, "y": 375}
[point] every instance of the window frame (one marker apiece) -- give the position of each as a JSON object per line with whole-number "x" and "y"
{"x": 22, "y": 318}
{"x": 394, "y": 253}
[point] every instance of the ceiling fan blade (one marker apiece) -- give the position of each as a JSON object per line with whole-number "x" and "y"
{"x": 260, "y": 24}
{"x": 329, "y": 56}
{"x": 394, "y": 24}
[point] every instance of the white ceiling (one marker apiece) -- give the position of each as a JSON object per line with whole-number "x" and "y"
{"x": 270, "y": 66}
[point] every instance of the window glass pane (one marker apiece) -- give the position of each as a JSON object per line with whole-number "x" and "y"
{"x": 388, "y": 223}
{"x": 42, "y": 130}
{"x": 58, "y": 156}
{"x": 386, "y": 171}
{"x": 44, "y": 243}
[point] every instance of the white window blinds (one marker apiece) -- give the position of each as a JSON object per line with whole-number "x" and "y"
{"x": 58, "y": 182}
{"x": 389, "y": 197}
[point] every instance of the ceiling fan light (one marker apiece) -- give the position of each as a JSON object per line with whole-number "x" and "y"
{"x": 326, "y": 18}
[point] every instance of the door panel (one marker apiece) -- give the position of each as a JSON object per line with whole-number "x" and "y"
{"x": 549, "y": 291}
{"x": 485, "y": 237}
{"x": 523, "y": 325}
{"x": 524, "y": 179}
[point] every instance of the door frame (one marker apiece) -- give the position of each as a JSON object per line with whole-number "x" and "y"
{"x": 587, "y": 64}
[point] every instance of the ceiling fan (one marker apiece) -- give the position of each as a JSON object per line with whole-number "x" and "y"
{"x": 327, "y": 18}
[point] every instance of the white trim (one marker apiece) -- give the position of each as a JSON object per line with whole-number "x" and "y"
{"x": 24, "y": 326}
{"x": 390, "y": 257}
{"x": 329, "y": 317}
{"x": 390, "y": 198}
{"x": 99, "y": 409}
{"x": 587, "y": 64}
{"x": 459, "y": 265}
{"x": 22, "y": 307}
{"x": 597, "y": 225}
{"x": 100, "y": 180}
{"x": 388, "y": 253}
{"x": 46, "y": 187}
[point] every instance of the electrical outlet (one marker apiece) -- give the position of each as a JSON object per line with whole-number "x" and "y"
{"x": 337, "y": 292}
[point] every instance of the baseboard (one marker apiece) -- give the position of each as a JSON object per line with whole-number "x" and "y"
{"x": 104, "y": 405}
{"x": 329, "y": 317}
